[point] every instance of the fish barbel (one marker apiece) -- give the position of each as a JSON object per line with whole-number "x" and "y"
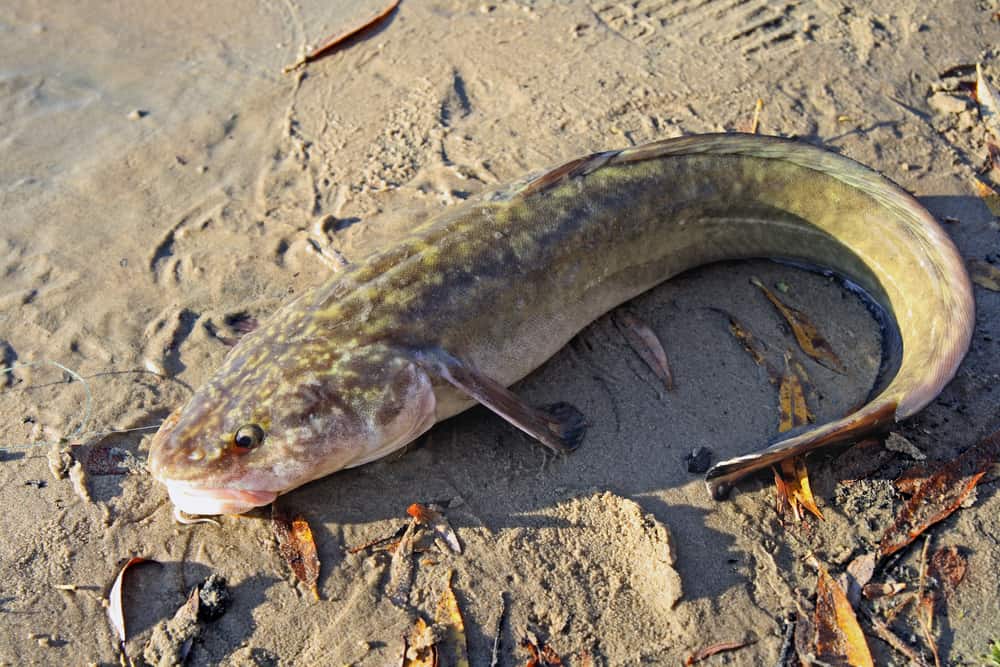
{"x": 476, "y": 298}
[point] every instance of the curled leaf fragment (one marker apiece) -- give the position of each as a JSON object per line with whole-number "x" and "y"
{"x": 753, "y": 346}
{"x": 647, "y": 345}
{"x": 330, "y": 45}
{"x": 709, "y": 651}
{"x": 805, "y": 332}
{"x": 297, "y": 547}
{"x": 116, "y": 611}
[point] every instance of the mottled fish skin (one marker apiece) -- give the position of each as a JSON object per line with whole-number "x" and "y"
{"x": 334, "y": 377}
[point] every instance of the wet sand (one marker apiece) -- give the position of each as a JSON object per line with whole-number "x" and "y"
{"x": 160, "y": 174}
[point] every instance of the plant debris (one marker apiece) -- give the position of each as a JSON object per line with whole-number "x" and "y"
{"x": 989, "y": 196}
{"x": 448, "y": 615}
{"x": 297, "y": 547}
{"x": 984, "y": 274}
{"x": 544, "y": 656}
{"x": 646, "y": 344}
{"x": 839, "y": 639}
{"x": 754, "y": 347}
{"x": 940, "y": 494}
{"x": 331, "y": 45}
{"x": 116, "y": 611}
{"x": 432, "y": 515}
{"x": 792, "y": 478}
{"x": 420, "y": 647}
{"x": 805, "y": 332}
{"x": 709, "y": 651}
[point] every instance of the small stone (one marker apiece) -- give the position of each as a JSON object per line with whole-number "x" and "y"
{"x": 136, "y": 114}
{"x": 202, "y": 169}
{"x": 698, "y": 460}
{"x": 214, "y": 598}
{"x": 897, "y": 443}
{"x": 946, "y": 104}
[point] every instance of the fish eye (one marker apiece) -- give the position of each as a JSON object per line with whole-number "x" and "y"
{"x": 248, "y": 436}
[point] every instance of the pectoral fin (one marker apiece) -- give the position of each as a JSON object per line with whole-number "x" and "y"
{"x": 560, "y": 426}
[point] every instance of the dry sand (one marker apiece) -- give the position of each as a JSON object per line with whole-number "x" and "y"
{"x": 159, "y": 173}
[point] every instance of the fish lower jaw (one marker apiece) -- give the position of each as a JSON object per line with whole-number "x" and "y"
{"x": 207, "y": 501}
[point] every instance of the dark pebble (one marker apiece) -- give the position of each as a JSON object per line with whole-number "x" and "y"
{"x": 214, "y": 598}
{"x": 699, "y": 460}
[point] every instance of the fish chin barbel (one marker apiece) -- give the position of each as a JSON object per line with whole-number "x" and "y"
{"x": 476, "y": 298}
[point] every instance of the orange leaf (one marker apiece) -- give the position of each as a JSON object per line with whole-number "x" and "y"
{"x": 420, "y": 648}
{"x": 297, "y": 547}
{"x": 989, "y": 196}
{"x": 839, "y": 639}
{"x": 941, "y": 494}
{"x": 448, "y": 614}
{"x": 806, "y": 334}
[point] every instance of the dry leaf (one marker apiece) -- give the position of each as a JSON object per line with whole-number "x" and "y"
{"x": 709, "y": 651}
{"x": 940, "y": 494}
{"x": 420, "y": 648}
{"x": 886, "y": 590}
{"x": 116, "y": 612}
{"x": 839, "y": 639}
{"x": 755, "y": 348}
{"x": 796, "y": 478}
{"x": 792, "y": 408}
{"x": 432, "y": 516}
{"x": 541, "y": 657}
{"x": 989, "y": 103}
{"x": 330, "y": 45}
{"x": 806, "y": 334}
{"x": 984, "y": 274}
{"x": 793, "y": 486}
{"x": 297, "y": 547}
{"x": 755, "y": 123}
{"x": 646, "y": 344}
{"x": 989, "y": 196}
{"x": 455, "y": 647}
{"x": 948, "y": 567}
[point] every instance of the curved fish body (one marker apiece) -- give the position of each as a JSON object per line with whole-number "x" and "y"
{"x": 476, "y": 298}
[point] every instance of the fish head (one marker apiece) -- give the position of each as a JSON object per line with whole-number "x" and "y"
{"x": 274, "y": 417}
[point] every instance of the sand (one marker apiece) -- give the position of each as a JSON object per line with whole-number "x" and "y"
{"x": 161, "y": 175}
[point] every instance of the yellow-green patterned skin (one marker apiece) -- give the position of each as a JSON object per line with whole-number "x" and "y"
{"x": 502, "y": 282}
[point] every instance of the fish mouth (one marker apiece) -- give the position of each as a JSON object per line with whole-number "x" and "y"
{"x": 205, "y": 500}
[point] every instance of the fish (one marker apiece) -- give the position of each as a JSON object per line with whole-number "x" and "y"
{"x": 470, "y": 301}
